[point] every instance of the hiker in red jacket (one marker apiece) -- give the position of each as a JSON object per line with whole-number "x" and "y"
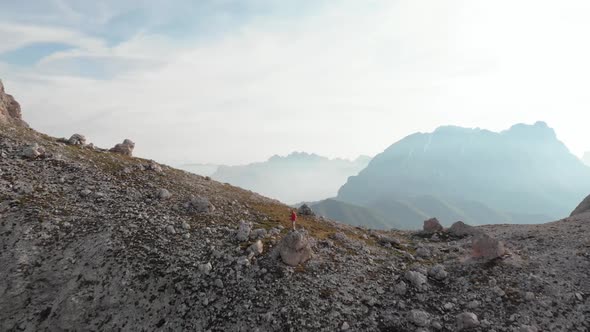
{"x": 293, "y": 218}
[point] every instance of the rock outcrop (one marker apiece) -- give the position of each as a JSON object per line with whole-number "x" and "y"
{"x": 10, "y": 112}
{"x": 583, "y": 207}
{"x": 432, "y": 225}
{"x": 125, "y": 148}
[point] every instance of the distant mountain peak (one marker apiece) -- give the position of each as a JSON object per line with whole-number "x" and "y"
{"x": 538, "y": 130}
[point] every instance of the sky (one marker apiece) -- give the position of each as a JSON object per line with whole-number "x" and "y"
{"x": 236, "y": 81}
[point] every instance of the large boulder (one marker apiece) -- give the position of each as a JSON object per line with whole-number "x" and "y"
{"x": 198, "y": 204}
{"x": 295, "y": 248}
{"x": 77, "y": 139}
{"x": 487, "y": 248}
{"x": 305, "y": 210}
{"x": 125, "y": 148}
{"x": 10, "y": 112}
{"x": 584, "y": 206}
{"x": 461, "y": 229}
{"x": 432, "y": 226}
{"x": 33, "y": 151}
{"x": 466, "y": 320}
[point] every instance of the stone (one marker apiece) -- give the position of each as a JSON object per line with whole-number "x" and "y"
{"x": 528, "y": 328}
{"x": 305, "y": 210}
{"x": 344, "y": 327}
{"x": 186, "y": 225}
{"x": 199, "y": 204}
{"x": 295, "y": 248}
{"x": 438, "y": 272}
{"x": 432, "y": 225}
{"x": 218, "y": 283}
{"x": 153, "y": 166}
{"x": 77, "y": 139}
{"x": 423, "y": 252}
{"x": 466, "y": 320}
{"x": 419, "y": 317}
{"x": 205, "y": 268}
{"x": 33, "y": 151}
{"x": 461, "y": 229}
{"x": 244, "y": 231}
{"x": 257, "y": 247}
{"x": 400, "y": 288}
{"x": 417, "y": 279}
{"x": 487, "y": 248}
{"x": 170, "y": 229}
{"x": 259, "y": 233}
{"x": 163, "y": 194}
{"x": 125, "y": 148}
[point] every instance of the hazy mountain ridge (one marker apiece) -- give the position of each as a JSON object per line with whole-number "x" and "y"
{"x": 200, "y": 169}
{"x": 511, "y": 175}
{"x": 294, "y": 178}
{"x": 351, "y": 214}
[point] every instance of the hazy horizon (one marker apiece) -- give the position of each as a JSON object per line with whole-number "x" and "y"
{"x": 235, "y": 82}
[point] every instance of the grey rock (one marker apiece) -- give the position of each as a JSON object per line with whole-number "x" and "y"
{"x": 487, "y": 248}
{"x": 257, "y": 247}
{"x": 244, "y": 231}
{"x": 466, "y": 320}
{"x": 305, "y": 210}
{"x": 163, "y": 194}
{"x": 295, "y": 248}
{"x": 417, "y": 279}
{"x": 33, "y": 151}
{"x": 419, "y": 317}
{"x": 259, "y": 233}
{"x": 153, "y": 166}
{"x": 400, "y": 288}
{"x": 198, "y": 204}
{"x": 125, "y": 148}
{"x": 461, "y": 229}
{"x": 205, "y": 268}
{"x": 438, "y": 272}
{"x": 423, "y": 252}
{"x": 77, "y": 139}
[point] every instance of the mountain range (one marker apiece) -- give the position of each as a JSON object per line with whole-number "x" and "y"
{"x": 520, "y": 175}
{"x": 294, "y": 178}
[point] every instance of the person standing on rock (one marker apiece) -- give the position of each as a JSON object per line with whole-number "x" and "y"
{"x": 293, "y": 218}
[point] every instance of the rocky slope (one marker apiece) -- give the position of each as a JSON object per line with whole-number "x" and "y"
{"x": 97, "y": 241}
{"x": 519, "y": 175}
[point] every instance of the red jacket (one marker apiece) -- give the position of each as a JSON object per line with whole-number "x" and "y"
{"x": 293, "y": 216}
